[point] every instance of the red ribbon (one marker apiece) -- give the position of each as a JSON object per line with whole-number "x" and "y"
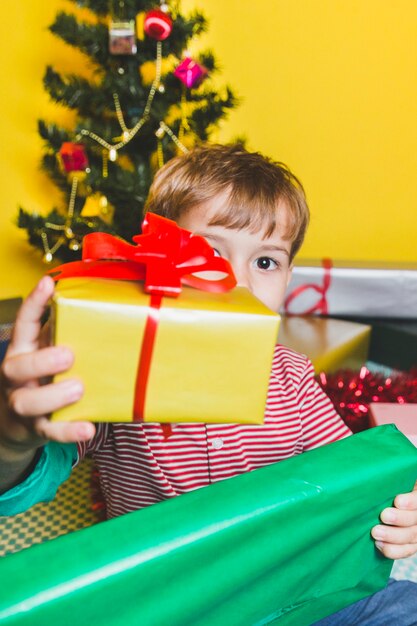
{"x": 165, "y": 257}
{"x": 321, "y": 305}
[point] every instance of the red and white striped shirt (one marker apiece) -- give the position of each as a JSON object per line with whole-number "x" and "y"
{"x": 138, "y": 466}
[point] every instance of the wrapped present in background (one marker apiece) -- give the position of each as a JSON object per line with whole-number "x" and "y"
{"x": 147, "y": 357}
{"x": 353, "y": 289}
{"x": 394, "y": 343}
{"x": 238, "y": 552}
{"x": 330, "y": 344}
{"x": 404, "y": 416}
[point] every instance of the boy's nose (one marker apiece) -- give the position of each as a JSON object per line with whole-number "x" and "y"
{"x": 243, "y": 279}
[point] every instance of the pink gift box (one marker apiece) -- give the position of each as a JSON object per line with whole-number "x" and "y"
{"x": 190, "y": 72}
{"x": 404, "y": 416}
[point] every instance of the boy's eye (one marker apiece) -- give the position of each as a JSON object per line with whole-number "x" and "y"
{"x": 216, "y": 252}
{"x": 266, "y": 263}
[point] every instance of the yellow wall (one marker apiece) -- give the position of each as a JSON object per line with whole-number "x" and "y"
{"x": 26, "y": 47}
{"x": 328, "y": 86}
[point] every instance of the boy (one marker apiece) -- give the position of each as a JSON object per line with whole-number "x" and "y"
{"x": 253, "y": 212}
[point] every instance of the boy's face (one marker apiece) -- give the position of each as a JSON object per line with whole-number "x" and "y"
{"x": 262, "y": 264}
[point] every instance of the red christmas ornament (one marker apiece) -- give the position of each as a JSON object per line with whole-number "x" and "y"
{"x": 157, "y": 25}
{"x": 190, "y": 72}
{"x": 73, "y": 157}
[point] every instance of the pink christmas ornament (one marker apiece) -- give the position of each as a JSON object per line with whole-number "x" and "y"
{"x": 190, "y": 72}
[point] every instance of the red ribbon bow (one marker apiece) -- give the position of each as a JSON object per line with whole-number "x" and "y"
{"x": 321, "y": 305}
{"x": 165, "y": 257}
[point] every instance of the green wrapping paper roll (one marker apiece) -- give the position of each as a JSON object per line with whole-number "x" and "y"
{"x": 288, "y": 544}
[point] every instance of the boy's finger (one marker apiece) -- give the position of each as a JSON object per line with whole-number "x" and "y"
{"x": 394, "y": 552}
{"x": 407, "y": 500}
{"x": 65, "y": 432}
{"x": 28, "y": 321}
{"x": 398, "y": 517}
{"x": 395, "y": 534}
{"x": 32, "y": 366}
{"x": 39, "y": 401}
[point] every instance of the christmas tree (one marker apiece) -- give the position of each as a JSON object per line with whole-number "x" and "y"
{"x": 147, "y": 100}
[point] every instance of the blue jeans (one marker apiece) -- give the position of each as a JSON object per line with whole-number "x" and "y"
{"x": 396, "y": 605}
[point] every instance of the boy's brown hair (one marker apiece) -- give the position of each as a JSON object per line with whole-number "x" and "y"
{"x": 256, "y": 187}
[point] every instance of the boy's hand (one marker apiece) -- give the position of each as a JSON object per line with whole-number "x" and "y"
{"x": 396, "y": 537}
{"x": 26, "y": 399}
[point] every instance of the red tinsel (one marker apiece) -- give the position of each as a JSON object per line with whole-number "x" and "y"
{"x": 351, "y": 392}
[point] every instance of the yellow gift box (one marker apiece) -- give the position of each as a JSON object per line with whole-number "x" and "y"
{"x": 211, "y": 359}
{"x": 330, "y": 344}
